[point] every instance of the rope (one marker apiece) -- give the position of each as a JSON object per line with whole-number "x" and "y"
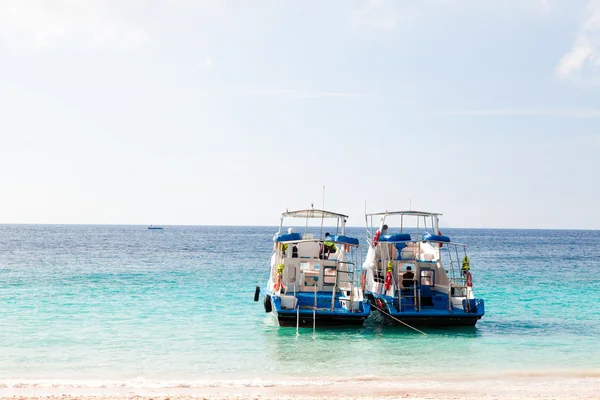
{"x": 262, "y": 278}
{"x": 402, "y": 322}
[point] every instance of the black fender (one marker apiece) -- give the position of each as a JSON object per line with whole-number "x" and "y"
{"x": 256, "y": 293}
{"x": 268, "y": 305}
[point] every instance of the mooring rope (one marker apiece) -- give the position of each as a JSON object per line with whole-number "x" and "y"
{"x": 402, "y": 322}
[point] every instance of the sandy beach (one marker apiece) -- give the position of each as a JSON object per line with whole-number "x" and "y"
{"x": 513, "y": 389}
{"x": 265, "y": 396}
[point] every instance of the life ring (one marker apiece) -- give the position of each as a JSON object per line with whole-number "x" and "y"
{"x": 388, "y": 275}
{"x": 440, "y": 233}
{"x": 376, "y": 238}
{"x": 363, "y": 281}
{"x": 469, "y": 279}
{"x": 388, "y": 280}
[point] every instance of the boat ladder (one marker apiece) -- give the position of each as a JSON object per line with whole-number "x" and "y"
{"x": 341, "y": 284}
{"x": 411, "y": 294}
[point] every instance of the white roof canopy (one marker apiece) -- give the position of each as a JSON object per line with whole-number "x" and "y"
{"x": 312, "y": 214}
{"x": 413, "y": 213}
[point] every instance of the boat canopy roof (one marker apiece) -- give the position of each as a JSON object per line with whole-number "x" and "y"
{"x": 312, "y": 213}
{"x": 297, "y": 238}
{"x": 414, "y": 213}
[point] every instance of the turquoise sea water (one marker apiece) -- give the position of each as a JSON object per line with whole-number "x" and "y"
{"x": 124, "y": 305}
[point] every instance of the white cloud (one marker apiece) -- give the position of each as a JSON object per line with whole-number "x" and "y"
{"x": 343, "y": 94}
{"x": 304, "y": 95}
{"x": 208, "y": 64}
{"x": 538, "y": 6}
{"x": 567, "y": 113}
{"x": 387, "y": 15}
{"x": 582, "y": 63}
{"x": 377, "y": 14}
{"x": 47, "y": 23}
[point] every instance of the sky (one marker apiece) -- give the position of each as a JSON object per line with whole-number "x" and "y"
{"x": 222, "y": 112}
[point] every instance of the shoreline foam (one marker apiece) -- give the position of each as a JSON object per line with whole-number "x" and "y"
{"x": 500, "y": 388}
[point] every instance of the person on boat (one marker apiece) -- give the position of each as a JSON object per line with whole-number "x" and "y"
{"x": 408, "y": 278}
{"x": 328, "y": 247}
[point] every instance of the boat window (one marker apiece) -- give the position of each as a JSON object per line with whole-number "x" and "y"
{"x": 310, "y": 278}
{"x": 329, "y": 275}
{"x": 304, "y": 266}
{"x": 427, "y": 277}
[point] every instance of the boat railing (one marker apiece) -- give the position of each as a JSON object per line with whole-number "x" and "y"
{"x": 414, "y": 251}
{"x": 424, "y": 241}
{"x": 455, "y": 254}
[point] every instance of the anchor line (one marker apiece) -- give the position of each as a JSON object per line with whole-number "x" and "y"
{"x": 402, "y": 322}
{"x": 262, "y": 279}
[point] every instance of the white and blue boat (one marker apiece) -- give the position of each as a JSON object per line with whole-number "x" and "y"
{"x": 313, "y": 276}
{"x": 414, "y": 275}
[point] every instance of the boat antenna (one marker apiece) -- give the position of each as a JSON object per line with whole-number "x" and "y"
{"x": 323, "y": 197}
{"x": 366, "y": 219}
{"x": 410, "y": 204}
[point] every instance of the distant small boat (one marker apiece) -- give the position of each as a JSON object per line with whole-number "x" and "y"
{"x": 155, "y": 227}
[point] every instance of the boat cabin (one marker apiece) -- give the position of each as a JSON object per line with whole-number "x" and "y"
{"x": 413, "y": 267}
{"x": 315, "y": 268}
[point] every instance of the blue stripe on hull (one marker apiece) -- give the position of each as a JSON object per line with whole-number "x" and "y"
{"x": 323, "y": 315}
{"x": 428, "y": 320}
{"x": 436, "y": 314}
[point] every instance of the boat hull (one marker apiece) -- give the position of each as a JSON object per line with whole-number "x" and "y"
{"x": 438, "y": 321}
{"x": 319, "y": 320}
{"x": 383, "y": 312}
{"x": 323, "y": 316}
